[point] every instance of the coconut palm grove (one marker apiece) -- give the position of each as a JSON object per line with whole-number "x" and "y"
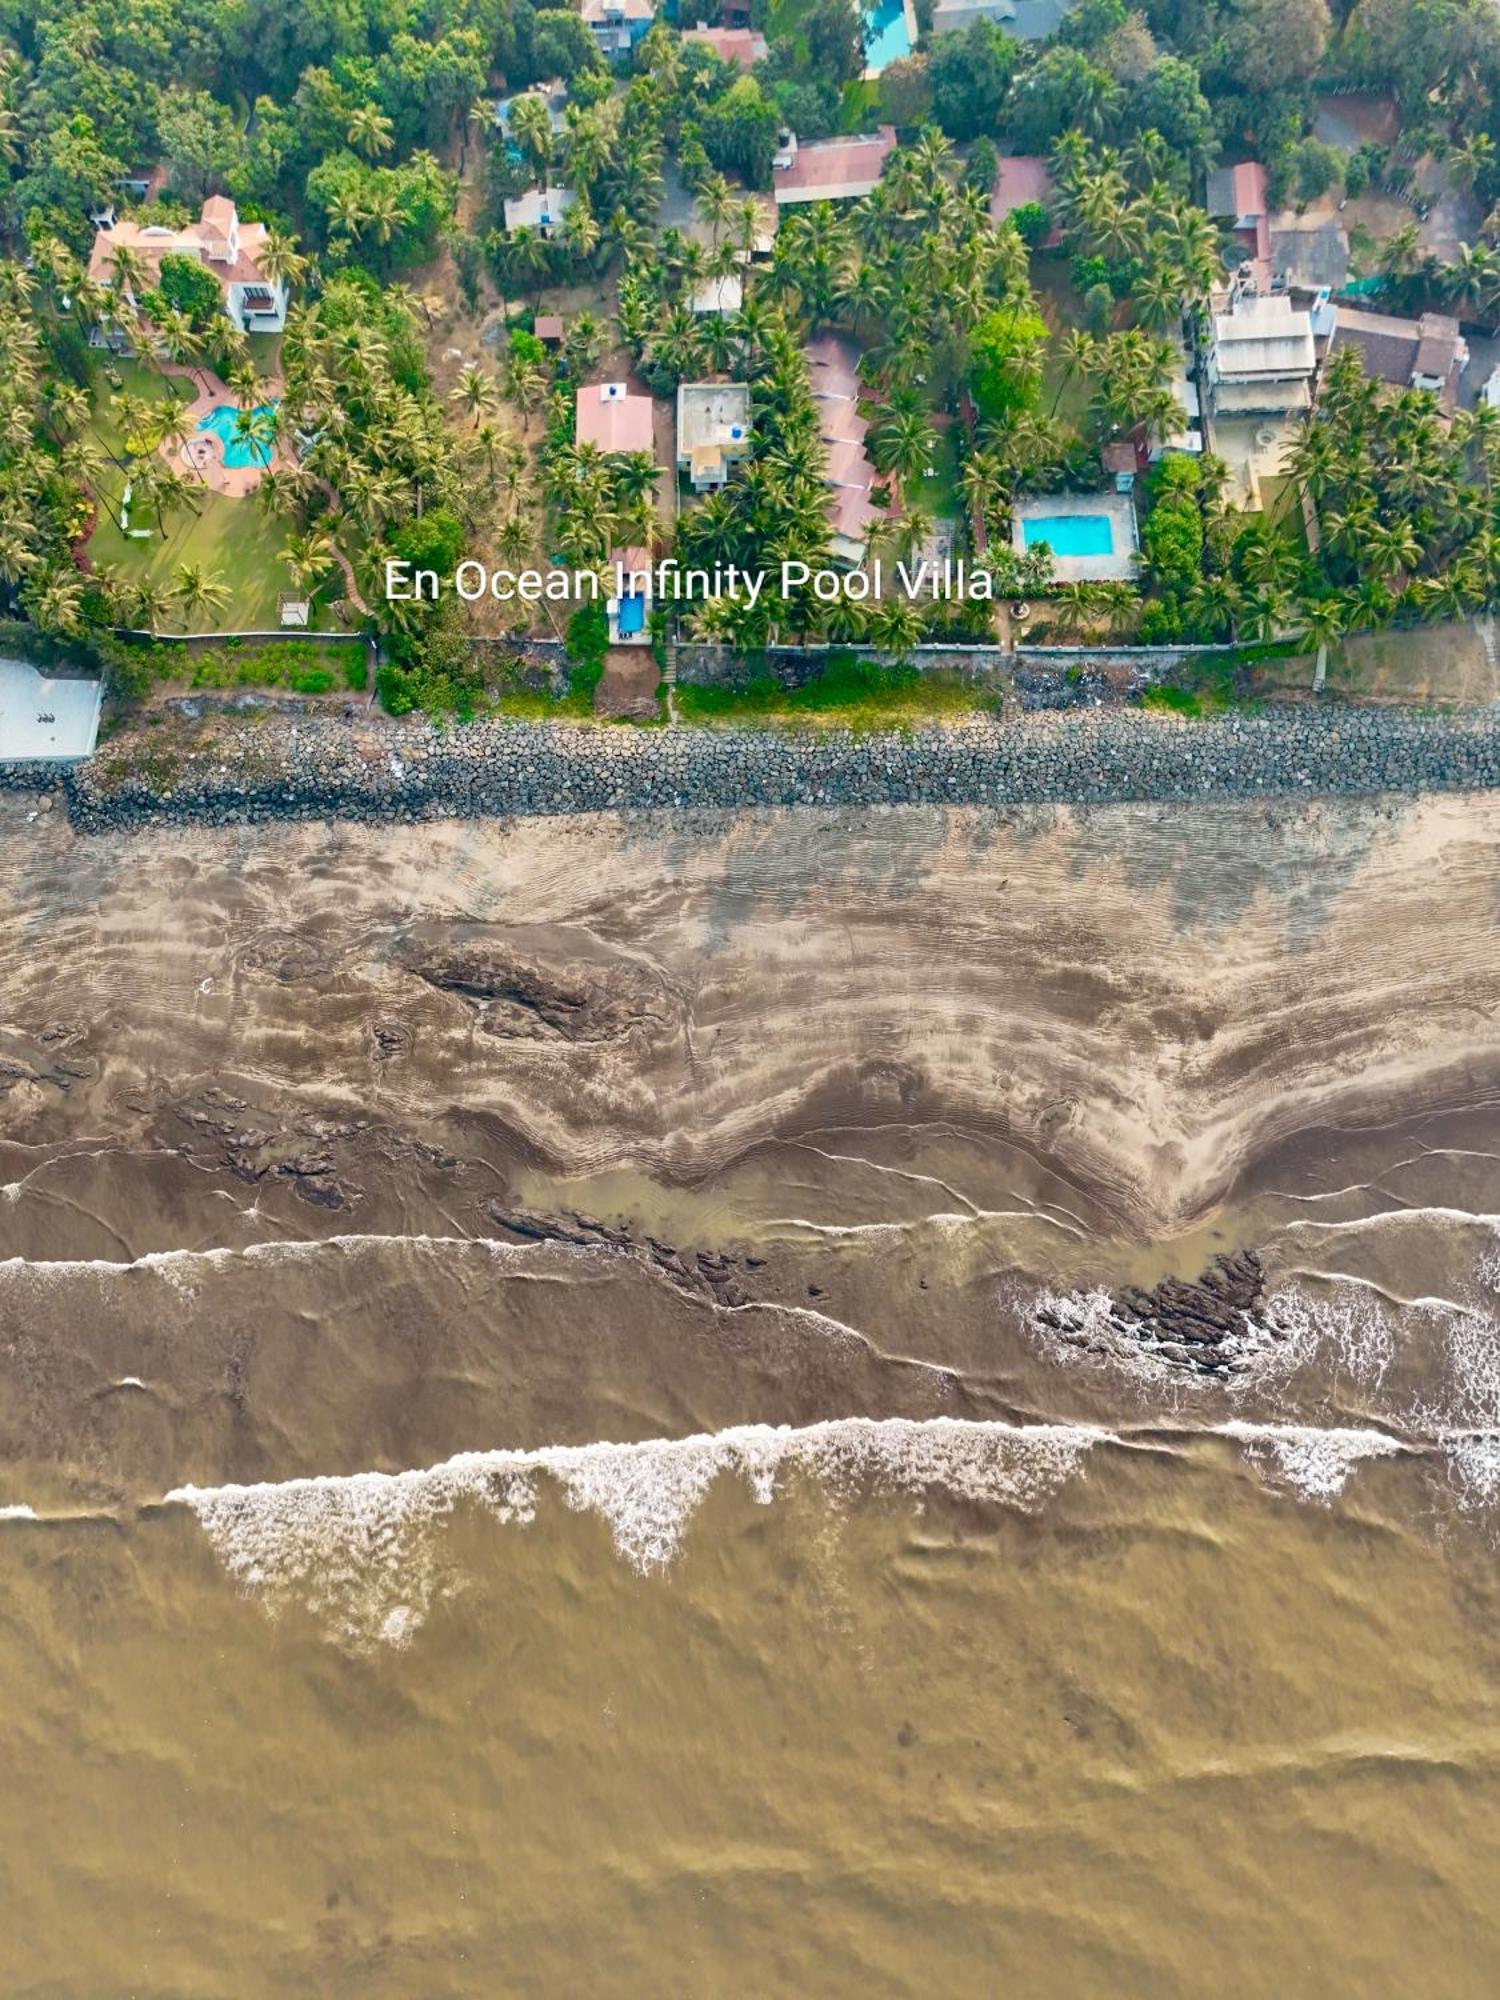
{"x": 1175, "y": 325}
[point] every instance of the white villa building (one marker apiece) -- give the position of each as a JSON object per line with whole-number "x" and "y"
{"x": 713, "y": 430}
{"x": 231, "y": 249}
{"x": 541, "y": 209}
{"x": 1262, "y": 356}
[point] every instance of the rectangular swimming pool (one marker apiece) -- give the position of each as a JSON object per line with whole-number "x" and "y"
{"x": 1071, "y": 534}
{"x": 887, "y": 38}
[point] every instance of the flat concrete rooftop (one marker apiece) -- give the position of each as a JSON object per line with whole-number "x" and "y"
{"x": 45, "y": 718}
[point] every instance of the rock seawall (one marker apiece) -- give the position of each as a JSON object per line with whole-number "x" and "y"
{"x": 411, "y": 770}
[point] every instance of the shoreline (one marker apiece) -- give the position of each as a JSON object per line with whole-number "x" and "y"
{"x": 377, "y": 770}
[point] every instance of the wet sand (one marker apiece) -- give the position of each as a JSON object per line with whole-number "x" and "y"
{"x": 407, "y": 1587}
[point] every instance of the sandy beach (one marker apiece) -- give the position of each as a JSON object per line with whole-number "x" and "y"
{"x": 524, "y": 1282}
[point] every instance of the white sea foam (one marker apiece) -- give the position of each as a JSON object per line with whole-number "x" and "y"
{"x": 1344, "y": 1325}
{"x": 1473, "y": 1465}
{"x": 1318, "y": 1463}
{"x": 362, "y": 1552}
{"x": 184, "y": 1267}
{"x": 18, "y": 1511}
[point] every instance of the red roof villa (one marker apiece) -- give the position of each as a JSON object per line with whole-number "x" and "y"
{"x": 219, "y": 241}
{"x": 833, "y": 371}
{"x": 833, "y": 169}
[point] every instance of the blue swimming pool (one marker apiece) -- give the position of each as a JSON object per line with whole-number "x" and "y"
{"x": 223, "y": 421}
{"x": 632, "y": 614}
{"x": 1071, "y": 534}
{"x": 887, "y": 38}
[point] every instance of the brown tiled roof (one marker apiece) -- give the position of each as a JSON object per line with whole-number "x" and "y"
{"x": 741, "y": 46}
{"x": 1022, "y": 178}
{"x": 834, "y": 164}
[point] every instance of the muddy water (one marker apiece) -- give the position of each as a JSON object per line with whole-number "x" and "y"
{"x": 625, "y": 1407}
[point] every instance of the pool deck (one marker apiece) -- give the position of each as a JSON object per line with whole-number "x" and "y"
{"x": 910, "y": 17}
{"x": 1119, "y": 508}
{"x": 202, "y": 455}
{"x": 42, "y": 719}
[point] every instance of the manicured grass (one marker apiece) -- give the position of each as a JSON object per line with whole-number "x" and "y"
{"x": 848, "y": 694}
{"x": 136, "y": 379}
{"x": 938, "y": 491}
{"x": 234, "y": 539}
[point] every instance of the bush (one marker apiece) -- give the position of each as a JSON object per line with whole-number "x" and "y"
{"x": 1171, "y": 701}
{"x": 587, "y": 643}
{"x": 1032, "y": 221}
{"x": 1172, "y": 541}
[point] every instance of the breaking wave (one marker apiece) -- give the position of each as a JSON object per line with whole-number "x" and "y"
{"x": 1317, "y": 1463}
{"x": 362, "y": 1552}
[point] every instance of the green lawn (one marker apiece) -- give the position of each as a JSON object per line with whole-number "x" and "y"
{"x": 236, "y": 539}
{"x": 136, "y": 379}
{"x": 938, "y": 492}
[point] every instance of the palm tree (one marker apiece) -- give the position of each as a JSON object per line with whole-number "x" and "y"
{"x": 475, "y": 390}
{"x": 346, "y": 212}
{"x": 903, "y": 446}
{"x": 1321, "y": 620}
{"x": 369, "y": 131}
{"x": 526, "y": 385}
{"x": 281, "y": 260}
{"x": 531, "y": 129}
{"x": 308, "y": 559}
{"x": 197, "y": 589}
{"x": 54, "y": 601}
{"x": 152, "y": 603}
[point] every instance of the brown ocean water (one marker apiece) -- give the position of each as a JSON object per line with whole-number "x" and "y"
{"x": 798, "y": 1576}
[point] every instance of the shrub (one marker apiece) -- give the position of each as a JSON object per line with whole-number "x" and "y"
{"x": 1033, "y": 223}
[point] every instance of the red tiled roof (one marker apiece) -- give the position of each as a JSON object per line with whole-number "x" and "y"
{"x": 1023, "y": 178}
{"x": 216, "y": 225}
{"x": 834, "y": 165}
{"x": 1249, "y": 182}
{"x": 614, "y": 423}
{"x": 741, "y": 46}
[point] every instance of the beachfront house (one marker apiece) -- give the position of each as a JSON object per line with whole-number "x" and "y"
{"x": 617, "y": 25}
{"x": 832, "y": 169}
{"x": 232, "y": 250}
{"x": 833, "y": 376}
{"x": 608, "y": 415}
{"x": 1261, "y": 356}
{"x": 713, "y": 431}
